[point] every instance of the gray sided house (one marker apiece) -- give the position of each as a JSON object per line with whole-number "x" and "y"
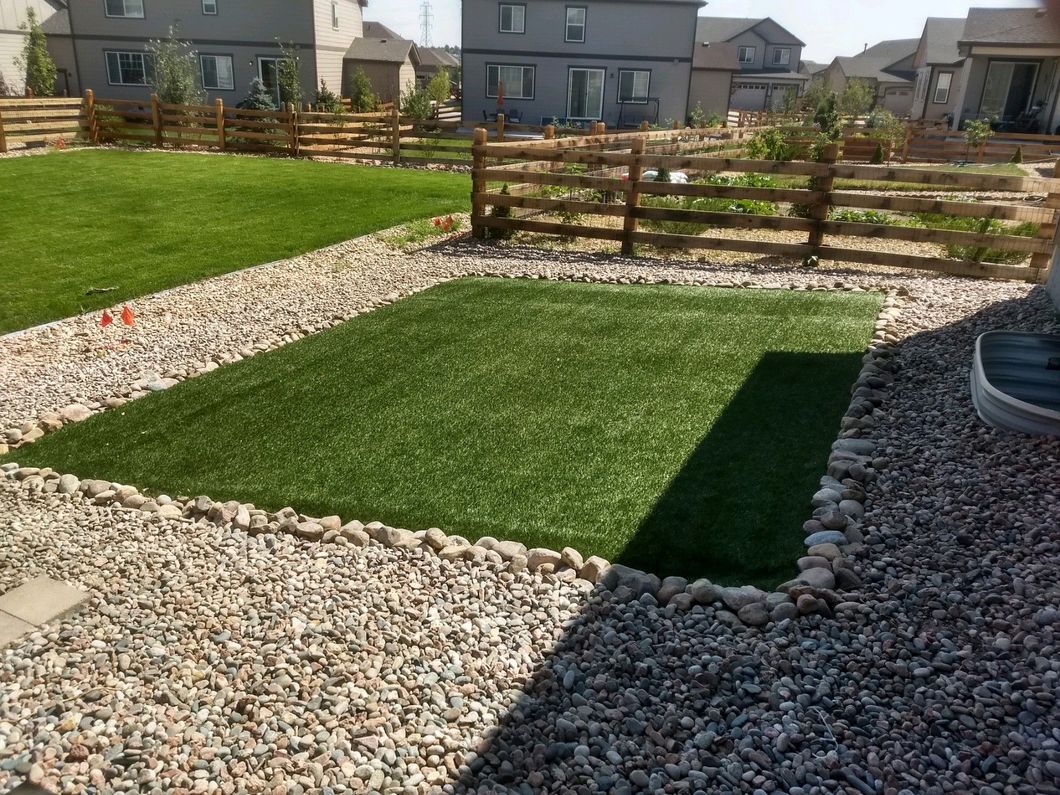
{"x": 389, "y": 61}
{"x": 55, "y": 21}
{"x": 1011, "y": 71}
{"x": 767, "y": 59}
{"x": 887, "y": 67}
{"x": 236, "y": 40}
{"x": 938, "y": 64}
{"x": 578, "y": 61}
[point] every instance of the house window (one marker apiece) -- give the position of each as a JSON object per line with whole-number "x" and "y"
{"x": 513, "y": 18}
{"x": 942, "y": 88}
{"x": 217, "y": 72}
{"x": 633, "y": 86}
{"x": 517, "y": 81}
{"x": 128, "y": 68}
{"x": 133, "y": 9}
{"x": 335, "y": 16}
{"x": 209, "y": 7}
{"x": 781, "y": 56}
{"x": 745, "y": 55}
{"x": 575, "y": 24}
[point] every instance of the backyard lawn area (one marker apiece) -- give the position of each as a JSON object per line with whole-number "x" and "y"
{"x": 75, "y": 223}
{"x": 677, "y": 429}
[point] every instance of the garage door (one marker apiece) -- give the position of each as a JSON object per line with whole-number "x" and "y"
{"x": 898, "y": 102}
{"x": 748, "y": 96}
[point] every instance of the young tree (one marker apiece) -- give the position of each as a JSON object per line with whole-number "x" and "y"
{"x": 439, "y": 89}
{"x": 259, "y": 97}
{"x": 362, "y": 97}
{"x": 328, "y": 100}
{"x": 175, "y": 71}
{"x": 416, "y": 103}
{"x": 5, "y": 90}
{"x": 826, "y": 117}
{"x": 857, "y": 97}
{"x": 289, "y": 75}
{"x": 816, "y": 93}
{"x": 35, "y": 58}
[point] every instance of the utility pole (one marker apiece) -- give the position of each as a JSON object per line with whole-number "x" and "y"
{"x": 426, "y": 24}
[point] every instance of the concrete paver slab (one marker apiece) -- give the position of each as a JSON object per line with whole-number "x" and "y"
{"x": 11, "y": 629}
{"x": 41, "y": 600}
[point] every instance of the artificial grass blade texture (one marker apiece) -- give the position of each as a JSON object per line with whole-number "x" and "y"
{"x": 681, "y": 430}
{"x": 131, "y": 223}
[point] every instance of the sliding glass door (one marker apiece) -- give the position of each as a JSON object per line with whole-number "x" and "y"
{"x": 1008, "y": 88}
{"x": 585, "y": 94}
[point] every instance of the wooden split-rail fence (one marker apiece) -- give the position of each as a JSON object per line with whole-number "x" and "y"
{"x": 514, "y": 187}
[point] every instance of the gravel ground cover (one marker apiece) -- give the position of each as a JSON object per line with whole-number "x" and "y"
{"x": 209, "y": 658}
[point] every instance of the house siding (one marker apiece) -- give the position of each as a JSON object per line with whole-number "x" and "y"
{"x": 331, "y": 44}
{"x": 614, "y": 41}
{"x": 56, "y": 24}
{"x": 711, "y": 89}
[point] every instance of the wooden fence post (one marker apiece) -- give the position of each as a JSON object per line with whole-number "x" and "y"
{"x": 645, "y": 126}
{"x": 602, "y": 129}
{"x": 156, "y": 119}
{"x": 1041, "y": 263}
{"x": 677, "y": 124}
{"x": 90, "y": 116}
{"x": 395, "y": 134}
{"x": 636, "y": 171}
{"x": 500, "y": 127}
{"x": 908, "y": 142}
{"x": 292, "y": 112}
{"x": 550, "y": 132}
{"x": 3, "y": 135}
{"x": 29, "y": 93}
{"x": 478, "y": 183}
{"x": 980, "y": 155}
{"x": 219, "y": 119}
{"x": 819, "y": 209}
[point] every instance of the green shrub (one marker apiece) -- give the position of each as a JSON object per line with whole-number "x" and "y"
{"x": 258, "y": 97}
{"x": 977, "y": 132}
{"x": 861, "y": 216}
{"x": 748, "y": 180}
{"x": 497, "y": 211}
{"x": 856, "y": 97}
{"x": 984, "y": 226}
{"x": 35, "y": 58}
{"x": 439, "y": 88}
{"x": 769, "y": 145}
{"x": 289, "y": 75}
{"x": 175, "y": 69}
{"x": 826, "y": 117}
{"x": 362, "y": 98}
{"x": 1017, "y": 156}
{"x": 416, "y": 104}
{"x": 712, "y": 205}
{"x": 328, "y": 100}
{"x": 877, "y": 154}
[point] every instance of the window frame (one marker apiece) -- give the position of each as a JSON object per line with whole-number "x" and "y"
{"x": 949, "y": 88}
{"x": 144, "y": 57}
{"x": 777, "y": 51}
{"x": 500, "y": 20}
{"x": 507, "y": 95}
{"x": 567, "y": 24}
{"x": 751, "y": 48}
{"x": 202, "y": 71}
{"x": 124, "y": 6}
{"x": 647, "y": 90}
{"x": 212, "y": 3}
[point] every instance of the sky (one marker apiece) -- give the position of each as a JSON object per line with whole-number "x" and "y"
{"x": 829, "y": 27}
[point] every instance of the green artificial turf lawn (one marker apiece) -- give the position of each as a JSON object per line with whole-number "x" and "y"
{"x": 144, "y": 221}
{"x": 677, "y": 429}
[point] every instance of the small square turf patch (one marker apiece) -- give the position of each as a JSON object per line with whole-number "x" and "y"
{"x": 677, "y": 429}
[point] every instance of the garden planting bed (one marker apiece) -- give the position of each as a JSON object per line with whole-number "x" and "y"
{"x": 405, "y": 663}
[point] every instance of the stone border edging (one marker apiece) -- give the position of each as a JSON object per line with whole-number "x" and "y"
{"x": 832, "y": 534}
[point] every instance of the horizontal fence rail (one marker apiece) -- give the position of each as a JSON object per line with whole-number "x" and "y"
{"x": 548, "y": 187}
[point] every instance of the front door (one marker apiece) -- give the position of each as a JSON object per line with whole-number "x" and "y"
{"x": 268, "y": 71}
{"x": 585, "y": 94}
{"x": 1008, "y": 88}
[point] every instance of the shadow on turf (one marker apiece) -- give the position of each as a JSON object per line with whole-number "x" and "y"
{"x": 610, "y": 644}
{"x": 733, "y": 505}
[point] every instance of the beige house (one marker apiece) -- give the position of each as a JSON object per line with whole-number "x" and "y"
{"x": 938, "y": 64}
{"x": 389, "y": 61}
{"x": 432, "y": 61}
{"x": 55, "y": 21}
{"x": 887, "y": 67}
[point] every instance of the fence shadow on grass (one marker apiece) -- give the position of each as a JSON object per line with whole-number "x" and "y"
{"x": 734, "y": 510}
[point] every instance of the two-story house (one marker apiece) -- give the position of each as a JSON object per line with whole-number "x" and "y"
{"x": 578, "y": 61}
{"x": 767, "y": 58}
{"x": 236, "y": 40}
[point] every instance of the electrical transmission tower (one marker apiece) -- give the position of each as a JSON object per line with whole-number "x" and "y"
{"x": 426, "y": 24}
